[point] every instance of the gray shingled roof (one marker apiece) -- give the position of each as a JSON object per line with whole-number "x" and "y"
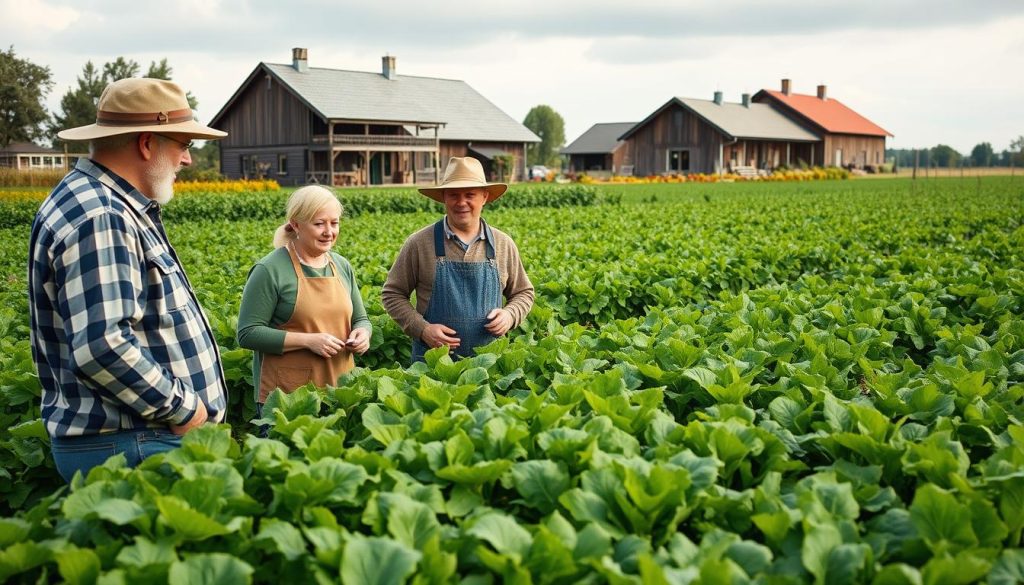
{"x": 359, "y": 95}
{"x": 759, "y": 121}
{"x": 599, "y": 139}
{"x": 28, "y": 148}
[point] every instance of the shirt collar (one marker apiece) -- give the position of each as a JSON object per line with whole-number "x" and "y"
{"x": 448, "y": 233}
{"x": 114, "y": 181}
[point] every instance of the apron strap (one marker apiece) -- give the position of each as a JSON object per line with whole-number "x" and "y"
{"x": 294, "y": 257}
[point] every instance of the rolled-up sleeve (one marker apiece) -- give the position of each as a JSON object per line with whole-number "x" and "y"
{"x": 518, "y": 290}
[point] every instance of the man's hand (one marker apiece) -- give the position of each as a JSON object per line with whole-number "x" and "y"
{"x": 436, "y": 335}
{"x": 324, "y": 344}
{"x": 196, "y": 421}
{"x": 358, "y": 341}
{"x": 500, "y": 322}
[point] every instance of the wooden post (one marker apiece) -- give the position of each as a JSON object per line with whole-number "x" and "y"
{"x": 330, "y": 153}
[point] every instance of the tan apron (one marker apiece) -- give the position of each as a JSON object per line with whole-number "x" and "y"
{"x": 322, "y": 305}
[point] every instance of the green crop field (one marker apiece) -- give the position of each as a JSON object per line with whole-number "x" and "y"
{"x": 817, "y": 382}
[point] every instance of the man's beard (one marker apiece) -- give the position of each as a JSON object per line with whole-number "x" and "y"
{"x": 161, "y": 180}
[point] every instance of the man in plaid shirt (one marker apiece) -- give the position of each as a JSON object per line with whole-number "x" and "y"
{"x": 126, "y": 358}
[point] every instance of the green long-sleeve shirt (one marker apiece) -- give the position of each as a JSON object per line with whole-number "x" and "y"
{"x": 268, "y": 302}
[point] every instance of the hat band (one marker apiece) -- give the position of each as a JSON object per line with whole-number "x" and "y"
{"x": 104, "y": 118}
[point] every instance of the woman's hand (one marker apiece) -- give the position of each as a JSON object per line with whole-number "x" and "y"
{"x": 358, "y": 341}
{"x": 324, "y": 344}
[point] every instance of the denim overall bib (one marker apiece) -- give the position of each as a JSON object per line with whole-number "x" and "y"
{"x": 463, "y": 294}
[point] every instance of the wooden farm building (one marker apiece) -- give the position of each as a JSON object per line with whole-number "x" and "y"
{"x": 300, "y": 124}
{"x": 26, "y": 156}
{"x": 688, "y": 135}
{"x": 598, "y": 151}
{"x": 756, "y": 134}
{"x": 846, "y": 139}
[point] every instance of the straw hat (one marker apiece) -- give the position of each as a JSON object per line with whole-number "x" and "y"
{"x": 142, "y": 105}
{"x": 462, "y": 172}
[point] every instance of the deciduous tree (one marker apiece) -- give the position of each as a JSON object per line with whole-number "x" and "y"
{"x": 943, "y": 155}
{"x": 982, "y": 155}
{"x": 23, "y": 89}
{"x": 545, "y": 122}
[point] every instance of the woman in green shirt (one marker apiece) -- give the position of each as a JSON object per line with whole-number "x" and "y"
{"x": 302, "y": 314}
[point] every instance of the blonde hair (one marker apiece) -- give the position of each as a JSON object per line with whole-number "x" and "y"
{"x": 302, "y": 206}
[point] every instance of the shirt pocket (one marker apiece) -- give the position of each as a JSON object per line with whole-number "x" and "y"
{"x": 166, "y": 290}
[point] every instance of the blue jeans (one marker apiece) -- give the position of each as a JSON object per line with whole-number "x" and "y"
{"x": 73, "y": 454}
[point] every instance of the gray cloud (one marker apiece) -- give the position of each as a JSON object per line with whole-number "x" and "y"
{"x": 252, "y": 26}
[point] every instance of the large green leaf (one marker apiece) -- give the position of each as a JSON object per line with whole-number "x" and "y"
{"x": 377, "y": 561}
{"x": 503, "y": 533}
{"x": 78, "y": 566}
{"x": 1008, "y": 568}
{"x": 410, "y": 522}
{"x": 540, "y": 482}
{"x": 942, "y": 521}
{"x": 188, "y": 523}
{"x": 284, "y": 537}
{"x": 211, "y": 569}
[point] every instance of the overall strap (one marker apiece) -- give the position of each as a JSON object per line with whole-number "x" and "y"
{"x": 439, "y": 238}
{"x": 490, "y": 239}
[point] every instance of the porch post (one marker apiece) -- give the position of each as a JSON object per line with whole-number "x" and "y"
{"x": 330, "y": 152}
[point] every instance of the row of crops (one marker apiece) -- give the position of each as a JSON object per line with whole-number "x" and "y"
{"x": 719, "y": 384}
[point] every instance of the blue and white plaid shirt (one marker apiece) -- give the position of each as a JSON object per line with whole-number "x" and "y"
{"x": 118, "y": 337}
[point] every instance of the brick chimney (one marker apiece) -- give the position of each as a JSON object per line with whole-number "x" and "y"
{"x": 822, "y": 92}
{"x": 388, "y": 69}
{"x": 746, "y": 100}
{"x": 718, "y": 97}
{"x": 785, "y": 86}
{"x": 299, "y": 62}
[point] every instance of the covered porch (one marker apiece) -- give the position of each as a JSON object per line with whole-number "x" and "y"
{"x": 362, "y": 154}
{"x": 764, "y": 154}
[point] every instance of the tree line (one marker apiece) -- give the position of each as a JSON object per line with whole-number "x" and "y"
{"x": 945, "y": 156}
{"x": 24, "y": 87}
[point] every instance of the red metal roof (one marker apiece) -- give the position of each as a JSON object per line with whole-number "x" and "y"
{"x": 830, "y": 114}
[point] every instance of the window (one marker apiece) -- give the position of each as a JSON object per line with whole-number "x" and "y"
{"x": 248, "y": 166}
{"x": 678, "y": 161}
{"x": 282, "y": 164}
{"x": 37, "y": 161}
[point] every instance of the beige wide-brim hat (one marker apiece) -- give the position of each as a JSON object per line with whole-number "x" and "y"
{"x": 463, "y": 172}
{"x": 140, "y": 104}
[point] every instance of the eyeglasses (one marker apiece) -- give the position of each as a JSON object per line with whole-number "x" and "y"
{"x": 187, "y": 145}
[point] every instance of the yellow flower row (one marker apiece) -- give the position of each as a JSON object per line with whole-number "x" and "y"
{"x": 240, "y": 186}
{"x": 181, "y": 187}
{"x": 13, "y": 195}
{"x": 814, "y": 174}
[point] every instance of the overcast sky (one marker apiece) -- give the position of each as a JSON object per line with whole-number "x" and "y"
{"x": 928, "y": 71}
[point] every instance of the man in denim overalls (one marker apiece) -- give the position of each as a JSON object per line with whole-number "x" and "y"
{"x": 469, "y": 280}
